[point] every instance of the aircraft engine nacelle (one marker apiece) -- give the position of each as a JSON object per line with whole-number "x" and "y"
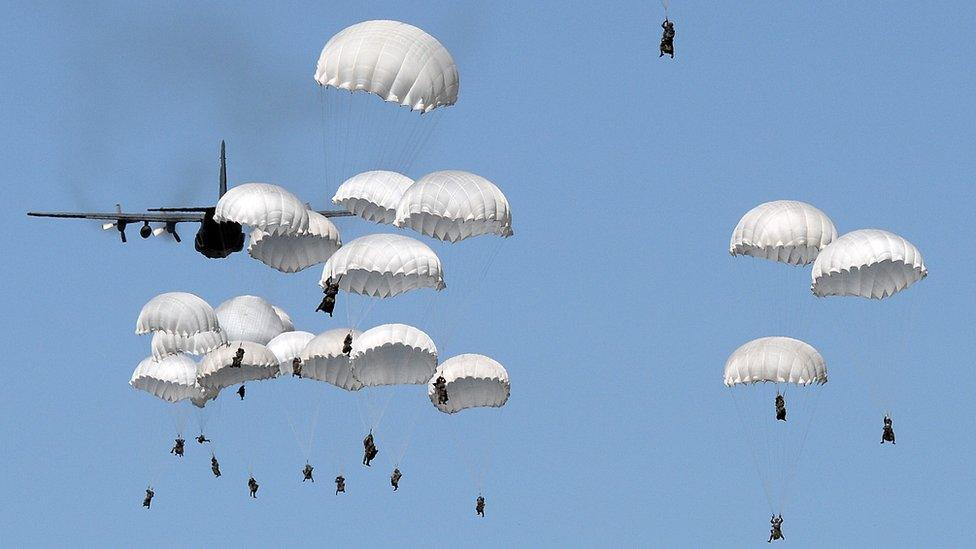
{"x": 145, "y": 231}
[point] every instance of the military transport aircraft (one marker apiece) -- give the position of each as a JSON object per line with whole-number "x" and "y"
{"x": 214, "y": 239}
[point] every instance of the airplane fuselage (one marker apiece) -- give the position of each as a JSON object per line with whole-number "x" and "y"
{"x": 218, "y": 240}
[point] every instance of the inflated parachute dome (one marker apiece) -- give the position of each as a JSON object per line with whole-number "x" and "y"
{"x": 787, "y": 231}
{"x": 164, "y": 344}
{"x": 868, "y": 263}
{"x": 215, "y": 370}
{"x": 775, "y": 360}
{"x": 249, "y": 318}
{"x": 323, "y": 359}
{"x": 373, "y": 195}
{"x": 384, "y": 265}
{"x": 473, "y": 381}
{"x": 177, "y": 313}
{"x": 288, "y": 346}
{"x": 396, "y": 61}
{"x": 393, "y": 354}
{"x": 293, "y": 252}
{"x": 173, "y": 378}
{"x": 452, "y": 205}
{"x": 264, "y": 206}
{"x": 286, "y": 322}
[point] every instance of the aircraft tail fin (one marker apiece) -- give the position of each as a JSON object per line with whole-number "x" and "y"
{"x": 223, "y": 171}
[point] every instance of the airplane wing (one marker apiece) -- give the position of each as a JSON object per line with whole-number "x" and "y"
{"x": 169, "y": 217}
{"x": 334, "y": 213}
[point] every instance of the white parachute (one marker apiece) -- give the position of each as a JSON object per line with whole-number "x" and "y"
{"x": 384, "y": 265}
{"x": 373, "y": 195}
{"x": 787, "y": 231}
{"x": 775, "y": 360}
{"x": 206, "y": 394}
{"x": 763, "y": 375}
{"x": 215, "y": 371}
{"x": 249, "y": 318}
{"x": 198, "y": 344}
{"x": 472, "y": 381}
{"x": 453, "y": 205}
{"x": 264, "y": 206}
{"x": 868, "y": 263}
{"x": 174, "y": 378}
{"x": 323, "y": 359}
{"x": 393, "y": 354}
{"x": 177, "y": 313}
{"x": 286, "y": 323}
{"x": 394, "y": 60}
{"x": 288, "y": 346}
{"x": 293, "y": 252}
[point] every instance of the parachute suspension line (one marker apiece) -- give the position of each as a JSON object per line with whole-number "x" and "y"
{"x": 291, "y": 424}
{"x": 466, "y": 295}
{"x": 745, "y": 420}
{"x": 325, "y": 118}
{"x": 419, "y": 138}
{"x": 401, "y": 451}
{"x": 798, "y": 449}
{"x": 466, "y": 458}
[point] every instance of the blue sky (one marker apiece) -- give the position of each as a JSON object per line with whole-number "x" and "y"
{"x": 614, "y": 307}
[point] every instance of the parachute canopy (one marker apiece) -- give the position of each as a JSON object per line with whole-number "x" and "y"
{"x": 384, "y": 265}
{"x": 198, "y": 344}
{"x": 292, "y": 252}
{"x": 373, "y": 195}
{"x": 177, "y": 313}
{"x": 472, "y": 381}
{"x": 264, "y": 206}
{"x": 285, "y": 319}
{"x": 249, "y": 318}
{"x": 868, "y": 263}
{"x": 287, "y": 346}
{"x": 776, "y": 360}
{"x": 787, "y": 231}
{"x": 394, "y": 60}
{"x": 174, "y": 378}
{"x": 215, "y": 371}
{"x": 453, "y": 205}
{"x": 323, "y": 360}
{"x": 393, "y": 354}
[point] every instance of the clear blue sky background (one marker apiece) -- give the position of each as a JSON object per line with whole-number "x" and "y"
{"x": 614, "y": 307}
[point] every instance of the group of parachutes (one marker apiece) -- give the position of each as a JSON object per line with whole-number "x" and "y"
{"x": 867, "y": 263}
{"x": 248, "y": 339}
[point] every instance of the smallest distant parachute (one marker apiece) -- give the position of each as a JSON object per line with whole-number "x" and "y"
{"x": 323, "y": 359}
{"x": 264, "y": 206}
{"x": 177, "y": 313}
{"x": 775, "y": 360}
{"x": 293, "y": 252}
{"x": 215, "y": 371}
{"x": 373, "y": 195}
{"x": 473, "y": 381}
{"x": 786, "y": 231}
{"x": 868, "y": 263}
{"x": 393, "y": 354}
{"x": 174, "y": 378}
{"x": 288, "y": 346}
{"x": 198, "y": 344}
{"x": 453, "y": 205}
